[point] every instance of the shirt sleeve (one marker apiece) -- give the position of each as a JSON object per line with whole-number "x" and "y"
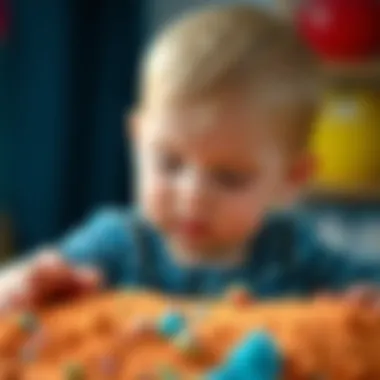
{"x": 326, "y": 269}
{"x": 103, "y": 241}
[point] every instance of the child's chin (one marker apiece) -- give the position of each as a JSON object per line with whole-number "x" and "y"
{"x": 193, "y": 256}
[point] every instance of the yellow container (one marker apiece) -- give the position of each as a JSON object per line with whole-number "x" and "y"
{"x": 347, "y": 141}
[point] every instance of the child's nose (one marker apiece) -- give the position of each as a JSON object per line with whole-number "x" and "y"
{"x": 193, "y": 193}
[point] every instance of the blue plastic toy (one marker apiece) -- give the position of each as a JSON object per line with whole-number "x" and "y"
{"x": 171, "y": 324}
{"x": 257, "y": 357}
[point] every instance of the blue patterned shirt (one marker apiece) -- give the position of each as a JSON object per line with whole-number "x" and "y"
{"x": 285, "y": 259}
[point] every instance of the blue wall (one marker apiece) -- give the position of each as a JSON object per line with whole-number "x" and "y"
{"x": 72, "y": 74}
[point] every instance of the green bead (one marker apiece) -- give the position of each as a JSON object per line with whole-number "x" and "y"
{"x": 168, "y": 373}
{"x": 171, "y": 323}
{"x": 74, "y": 371}
{"x": 186, "y": 343}
{"x": 28, "y": 322}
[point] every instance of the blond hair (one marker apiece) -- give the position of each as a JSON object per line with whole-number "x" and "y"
{"x": 215, "y": 49}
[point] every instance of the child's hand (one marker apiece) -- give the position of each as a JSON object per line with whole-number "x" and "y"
{"x": 50, "y": 279}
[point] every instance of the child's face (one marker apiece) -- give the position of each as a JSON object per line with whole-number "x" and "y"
{"x": 208, "y": 174}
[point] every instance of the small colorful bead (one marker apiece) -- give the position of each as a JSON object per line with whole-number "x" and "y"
{"x": 28, "y": 322}
{"x": 74, "y": 371}
{"x": 261, "y": 352}
{"x": 187, "y": 343}
{"x": 171, "y": 324}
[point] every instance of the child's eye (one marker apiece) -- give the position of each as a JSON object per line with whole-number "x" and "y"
{"x": 232, "y": 180}
{"x": 169, "y": 163}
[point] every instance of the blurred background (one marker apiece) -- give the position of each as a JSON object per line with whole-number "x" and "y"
{"x": 67, "y": 77}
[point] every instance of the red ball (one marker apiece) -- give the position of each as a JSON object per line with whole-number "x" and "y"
{"x": 341, "y": 30}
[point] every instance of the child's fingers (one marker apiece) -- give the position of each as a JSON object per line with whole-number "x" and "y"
{"x": 47, "y": 266}
{"x": 20, "y": 300}
{"x": 47, "y": 279}
{"x": 49, "y": 273}
{"x": 51, "y": 277}
{"x": 43, "y": 271}
{"x": 48, "y": 258}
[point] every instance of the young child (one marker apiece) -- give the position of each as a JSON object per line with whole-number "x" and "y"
{"x": 227, "y": 101}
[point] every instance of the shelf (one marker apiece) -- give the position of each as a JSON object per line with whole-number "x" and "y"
{"x": 366, "y": 71}
{"x": 357, "y": 193}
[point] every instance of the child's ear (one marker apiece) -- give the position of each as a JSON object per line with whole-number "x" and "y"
{"x": 303, "y": 169}
{"x": 300, "y": 172}
{"x": 132, "y": 123}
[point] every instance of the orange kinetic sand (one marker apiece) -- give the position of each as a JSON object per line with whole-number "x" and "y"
{"x": 142, "y": 336}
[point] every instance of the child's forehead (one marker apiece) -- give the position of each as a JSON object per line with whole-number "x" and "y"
{"x": 211, "y": 131}
{"x": 223, "y": 115}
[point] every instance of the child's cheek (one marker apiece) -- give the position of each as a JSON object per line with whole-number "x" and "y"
{"x": 156, "y": 199}
{"x": 240, "y": 214}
